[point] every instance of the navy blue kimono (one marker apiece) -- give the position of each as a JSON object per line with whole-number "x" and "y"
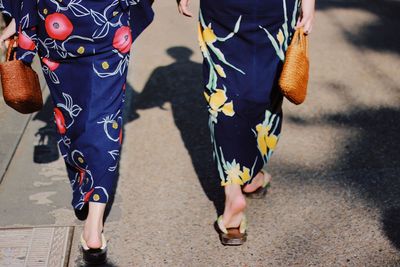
{"x": 243, "y": 44}
{"x": 84, "y": 49}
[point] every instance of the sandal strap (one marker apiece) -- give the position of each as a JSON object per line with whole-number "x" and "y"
{"x": 242, "y": 226}
{"x": 103, "y": 242}
{"x": 221, "y": 225}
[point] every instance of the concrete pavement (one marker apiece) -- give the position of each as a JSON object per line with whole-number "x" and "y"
{"x": 335, "y": 196}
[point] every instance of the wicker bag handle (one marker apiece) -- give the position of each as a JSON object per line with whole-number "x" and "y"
{"x": 10, "y": 50}
{"x": 301, "y": 40}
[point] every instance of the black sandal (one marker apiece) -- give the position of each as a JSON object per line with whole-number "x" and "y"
{"x": 232, "y": 236}
{"x": 94, "y": 256}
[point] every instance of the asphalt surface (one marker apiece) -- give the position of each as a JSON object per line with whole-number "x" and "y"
{"x": 335, "y": 198}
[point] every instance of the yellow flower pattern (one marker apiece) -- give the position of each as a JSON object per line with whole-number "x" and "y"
{"x": 217, "y": 102}
{"x": 235, "y": 174}
{"x": 266, "y": 138}
{"x": 209, "y": 36}
{"x": 202, "y": 43}
{"x": 280, "y": 43}
{"x": 266, "y": 133}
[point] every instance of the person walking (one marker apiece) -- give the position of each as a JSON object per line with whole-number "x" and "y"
{"x": 84, "y": 48}
{"x": 243, "y": 44}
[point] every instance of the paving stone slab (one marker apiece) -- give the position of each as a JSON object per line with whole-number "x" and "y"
{"x": 35, "y": 247}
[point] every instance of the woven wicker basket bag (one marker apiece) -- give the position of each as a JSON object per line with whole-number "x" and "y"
{"x": 294, "y": 77}
{"x": 21, "y": 87}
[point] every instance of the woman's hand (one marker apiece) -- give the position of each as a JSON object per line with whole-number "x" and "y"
{"x": 7, "y": 33}
{"x": 306, "y": 19}
{"x": 183, "y": 7}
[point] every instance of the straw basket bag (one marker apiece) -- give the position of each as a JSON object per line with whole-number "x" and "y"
{"x": 21, "y": 87}
{"x": 294, "y": 77}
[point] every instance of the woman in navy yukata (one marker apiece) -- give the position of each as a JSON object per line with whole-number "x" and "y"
{"x": 84, "y": 49}
{"x": 243, "y": 43}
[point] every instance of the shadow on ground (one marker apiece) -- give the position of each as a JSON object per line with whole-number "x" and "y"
{"x": 377, "y": 145}
{"x": 180, "y": 84}
{"x": 380, "y": 34}
{"x": 370, "y": 160}
{"x": 46, "y": 151}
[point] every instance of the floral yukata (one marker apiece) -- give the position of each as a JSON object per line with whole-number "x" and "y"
{"x": 84, "y": 49}
{"x": 244, "y": 44}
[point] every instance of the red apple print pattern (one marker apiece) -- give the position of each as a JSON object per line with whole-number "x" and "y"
{"x": 84, "y": 50}
{"x": 60, "y": 121}
{"x": 58, "y": 26}
{"x": 123, "y": 39}
{"x": 50, "y": 63}
{"x": 88, "y": 194}
{"x": 25, "y": 42}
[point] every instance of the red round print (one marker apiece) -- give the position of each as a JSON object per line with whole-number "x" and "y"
{"x": 120, "y": 137}
{"x": 123, "y": 39}
{"x": 60, "y": 121}
{"x": 88, "y": 194}
{"x": 58, "y": 26}
{"x": 50, "y": 63}
{"x": 25, "y": 42}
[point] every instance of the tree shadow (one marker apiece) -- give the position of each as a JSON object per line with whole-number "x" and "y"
{"x": 180, "y": 84}
{"x": 379, "y": 34}
{"x": 370, "y": 161}
{"x": 377, "y": 149}
{"x": 46, "y": 151}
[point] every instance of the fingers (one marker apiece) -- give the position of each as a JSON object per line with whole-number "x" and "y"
{"x": 308, "y": 27}
{"x": 306, "y": 23}
{"x": 184, "y": 8}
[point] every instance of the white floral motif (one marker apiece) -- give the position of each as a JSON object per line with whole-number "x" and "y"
{"x": 111, "y": 119}
{"x": 69, "y": 106}
{"x": 115, "y": 155}
{"x": 122, "y": 66}
{"x": 101, "y": 20}
{"x": 74, "y": 6}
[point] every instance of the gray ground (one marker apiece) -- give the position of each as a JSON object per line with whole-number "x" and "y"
{"x": 335, "y": 199}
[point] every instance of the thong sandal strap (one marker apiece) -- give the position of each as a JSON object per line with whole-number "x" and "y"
{"x": 103, "y": 243}
{"x": 221, "y": 225}
{"x": 242, "y": 226}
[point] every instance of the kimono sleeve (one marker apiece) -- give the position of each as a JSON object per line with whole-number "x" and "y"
{"x": 10, "y": 8}
{"x": 141, "y": 16}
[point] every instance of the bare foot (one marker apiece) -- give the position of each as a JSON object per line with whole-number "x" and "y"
{"x": 94, "y": 225}
{"x": 235, "y": 204}
{"x": 257, "y": 182}
{"x": 92, "y": 234}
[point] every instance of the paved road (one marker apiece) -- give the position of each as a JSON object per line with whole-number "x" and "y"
{"x": 335, "y": 197}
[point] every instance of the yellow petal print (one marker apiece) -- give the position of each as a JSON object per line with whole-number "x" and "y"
{"x": 271, "y": 141}
{"x": 246, "y": 175}
{"x": 224, "y": 183}
{"x": 237, "y": 180}
{"x": 227, "y": 109}
{"x": 262, "y": 145}
{"x": 207, "y": 97}
{"x": 280, "y": 37}
{"x": 209, "y": 36}
{"x": 259, "y": 128}
{"x": 262, "y": 132}
{"x": 233, "y": 173}
{"x": 220, "y": 71}
{"x": 202, "y": 44}
{"x": 217, "y": 99}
